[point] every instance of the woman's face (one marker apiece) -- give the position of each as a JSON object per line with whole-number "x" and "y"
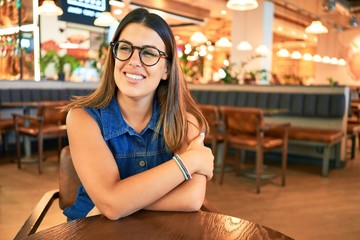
{"x": 134, "y": 79}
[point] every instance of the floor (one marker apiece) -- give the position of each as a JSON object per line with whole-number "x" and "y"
{"x": 309, "y": 207}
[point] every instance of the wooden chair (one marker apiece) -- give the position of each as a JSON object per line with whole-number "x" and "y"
{"x": 68, "y": 184}
{"x": 245, "y": 130}
{"x": 5, "y": 126}
{"x": 215, "y": 136}
{"x": 48, "y": 122}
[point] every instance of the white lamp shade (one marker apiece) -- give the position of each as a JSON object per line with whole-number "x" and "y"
{"x": 242, "y": 5}
{"x": 307, "y": 57}
{"x": 283, "y": 52}
{"x": 316, "y": 27}
{"x": 223, "y": 42}
{"x": 326, "y": 59}
{"x": 49, "y": 8}
{"x": 262, "y": 50}
{"x": 198, "y": 38}
{"x": 317, "y": 58}
{"x": 244, "y": 46}
{"x": 334, "y": 61}
{"x": 296, "y": 55}
{"x": 105, "y": 20}
{"x": 342, "y": 62}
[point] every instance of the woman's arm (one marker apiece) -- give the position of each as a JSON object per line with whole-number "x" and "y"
{"x": 98, "y": 172}
{"x": 189, "y": 195}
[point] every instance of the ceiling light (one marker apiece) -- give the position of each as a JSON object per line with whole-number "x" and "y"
{"x": 223, "y": 42}
{"x": 198, "y": 38}
{"x": 353, "y": 21}
{"x": 317, "y": 58}
{"x": 244, "y": 46}
{"x": 326, "y": 59}
{"x": 49, "y": 8}
{"x": 105, "y": 20}
{"x": 342, "y": 62}
{"x": 242, "y": 5}
{"x": 262, "y": 50}
{"x": 296, "y": 55}
{"x": 316, "y": 27}
{"x": 307, "y": 57}
{"x": 283, "y": 52}
{"x": 334, "y": 61}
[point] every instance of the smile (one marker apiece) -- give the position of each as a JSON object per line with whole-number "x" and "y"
{"x": 134, "y": 77}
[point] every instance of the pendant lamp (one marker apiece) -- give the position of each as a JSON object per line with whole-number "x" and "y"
{"x": 262, "y": 50}
{"x": 242, "y": 5}
{"x": 244, "y": 46}
{"x": 316, "y": 27}
{"x": 49, "y": 8}
{"x": 283, "y": 52}
{"x": 105, "y": 20}
{"x": 223, "y": 42}
{"x": 198, "y": 38}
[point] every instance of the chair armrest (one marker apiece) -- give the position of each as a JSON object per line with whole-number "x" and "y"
{"x": 27, "y": 117}
{"x": 34, "y": 220}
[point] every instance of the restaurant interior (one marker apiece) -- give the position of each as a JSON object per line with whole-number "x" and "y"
{"x": 292, "y": 65}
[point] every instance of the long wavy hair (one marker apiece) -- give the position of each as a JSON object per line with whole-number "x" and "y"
{"x": 173, "y": 94}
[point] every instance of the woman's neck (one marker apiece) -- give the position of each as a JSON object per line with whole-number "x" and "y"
{"x": 136, "y": 113}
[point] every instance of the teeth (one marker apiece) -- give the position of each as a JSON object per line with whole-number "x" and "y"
{"x": 133, "y": 76}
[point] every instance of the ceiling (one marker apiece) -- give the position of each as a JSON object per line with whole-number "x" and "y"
{"x": 188, "y": 16}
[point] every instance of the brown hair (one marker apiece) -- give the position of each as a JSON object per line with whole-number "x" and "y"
{"x": 173, "y": 94}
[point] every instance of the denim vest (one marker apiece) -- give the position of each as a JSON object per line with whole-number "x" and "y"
{"x": 133, "y": 152}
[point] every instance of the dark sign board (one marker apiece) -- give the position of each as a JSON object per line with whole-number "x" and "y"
{"x": 82, "y": 11}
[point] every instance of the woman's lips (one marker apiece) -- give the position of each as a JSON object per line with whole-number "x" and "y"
{"x": 134, "y": 77}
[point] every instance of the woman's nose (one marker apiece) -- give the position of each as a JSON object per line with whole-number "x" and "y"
{"x": 135, "y": 59}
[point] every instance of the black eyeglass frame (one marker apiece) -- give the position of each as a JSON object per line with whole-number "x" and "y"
{"x": 133, "y": 47}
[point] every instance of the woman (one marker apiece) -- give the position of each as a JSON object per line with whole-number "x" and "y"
{"x": 123, "y": 137}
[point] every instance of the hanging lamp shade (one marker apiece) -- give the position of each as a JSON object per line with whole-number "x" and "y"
{"x": 307, "y": 57}
{"x": 317, "y": 58}
{"x": 244, "y": 46}
{"x": 262, "y": 50}
{"x": 283, "y": 52}
{"x": 316, "y": 27}
{"x": 198, "y": 38}
{"x": 49, "y": 8}
{"x": 242, "y": 5}
{"x": 223, "y": 42}
{"x": 105, "y": 20}
{"x": 334, "y": 61}
{"x": 342, "y": 62}
{"x": 326, "y": 59}
{"x": 296, "y": 55}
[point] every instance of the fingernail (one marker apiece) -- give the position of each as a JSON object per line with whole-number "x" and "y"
{"x": 202, "y": 134}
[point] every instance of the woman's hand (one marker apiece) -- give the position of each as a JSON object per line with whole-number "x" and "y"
{"x": 199, "y": 158}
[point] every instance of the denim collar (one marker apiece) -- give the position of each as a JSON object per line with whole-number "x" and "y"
{"x": 115, "y": 125}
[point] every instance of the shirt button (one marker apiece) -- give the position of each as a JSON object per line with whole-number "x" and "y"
{"x": 142, "y": 163}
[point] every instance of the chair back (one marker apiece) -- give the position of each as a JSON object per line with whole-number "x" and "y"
{"x": 239, "y": 120}
{"x": 68, "y": 179}
{"x": 50, "y": 113}
{"x": 212, "y": 116}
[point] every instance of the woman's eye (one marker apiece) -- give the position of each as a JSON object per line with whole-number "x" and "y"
{"x": 149, "y": 53}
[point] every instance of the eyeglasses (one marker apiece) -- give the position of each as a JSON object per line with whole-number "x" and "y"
{"x": 149, "y": 56}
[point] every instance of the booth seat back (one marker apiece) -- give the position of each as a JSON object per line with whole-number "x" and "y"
{"x": 40, "y": 94}
{"x": 317, "y": 105}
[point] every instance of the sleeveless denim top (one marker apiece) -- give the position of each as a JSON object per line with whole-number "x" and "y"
{"x": 133, "y": 152}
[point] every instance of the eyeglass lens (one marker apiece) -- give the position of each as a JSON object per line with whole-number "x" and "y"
{"x": 149, "y": 56}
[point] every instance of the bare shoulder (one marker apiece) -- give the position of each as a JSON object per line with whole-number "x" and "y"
{"x": 193, "y": 129}
{"x": 78, "y": 118}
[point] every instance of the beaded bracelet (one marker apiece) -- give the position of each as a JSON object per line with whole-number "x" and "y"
{"x": 182, "y": 167}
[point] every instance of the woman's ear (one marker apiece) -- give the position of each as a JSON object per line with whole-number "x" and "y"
{"x": 166, "y": 72}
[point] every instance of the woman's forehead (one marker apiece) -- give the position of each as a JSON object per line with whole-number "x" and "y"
{"x": 139, "y": 34}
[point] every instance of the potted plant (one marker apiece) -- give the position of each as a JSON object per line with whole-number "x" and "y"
{"x": 59, "y": 62}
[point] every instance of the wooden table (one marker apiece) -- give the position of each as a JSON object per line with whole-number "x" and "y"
{"x": 161, "y": 225}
